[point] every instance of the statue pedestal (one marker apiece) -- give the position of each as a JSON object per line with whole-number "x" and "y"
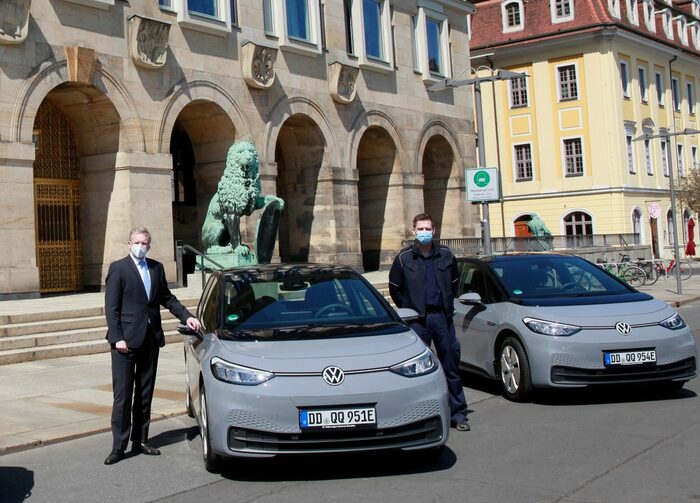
{"x": 230, "y": 259}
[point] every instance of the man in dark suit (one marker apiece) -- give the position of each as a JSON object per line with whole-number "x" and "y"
{"x": 135, "y": 289}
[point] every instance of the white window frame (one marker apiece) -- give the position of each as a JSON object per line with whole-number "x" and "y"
{"x": 219, "y": 25}
{"x": 690, "y": 96}
{"x": 643, "y": 83}
{"x": 649, "y": 21}
{"x": 630, "y": 154}
{"x": 504, "y": 16}
{"x": 680, "y": 153}
{"x": 649, "y": 156}
{"x": 515, "y": 163}
{"x": 527, "y": 92}
{"x": 660, "y": 88}
{"x": 666, "y": 22}
{"x": 428, "y": 9}
{"x": 665, "y": 164}
{"x": 694, "y": 157}
{"x": 563, "y": 142}
{"x": 695, "y": 8}
{"x": 625, "y": 78}
{"x": 614, "y": 8}
{"x": 695, "y": 33}
{"x": 557, "y": 76}
{"x": 682, "y": 28}
{"x": 676, "y": 94}
{"x": 385, "y": 65}
{"x": 632, "y": 12}
{"x": 314, "y": 45}
{"x": 553, "y": 11}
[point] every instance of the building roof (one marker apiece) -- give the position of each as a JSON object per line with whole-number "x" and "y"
{"x": 589, "y": 15}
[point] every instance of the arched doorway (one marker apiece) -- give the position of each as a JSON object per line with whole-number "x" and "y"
{"x": 438, "y": 202}
{"x": 299, "y": 156}
{"x": 59, "y": 252}
{"x": 380, "y": 202}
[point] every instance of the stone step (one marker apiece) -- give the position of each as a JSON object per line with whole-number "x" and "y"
{"x": 44, "y": 316}
{"x": 69, "y": 336}
{"x": 67, "y": 349}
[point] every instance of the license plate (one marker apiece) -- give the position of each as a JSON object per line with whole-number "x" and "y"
{"x": 337, "y": 418}
{"x": 629, "y": 357}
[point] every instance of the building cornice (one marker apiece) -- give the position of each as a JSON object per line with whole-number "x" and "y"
{"x": 637, "y": 191}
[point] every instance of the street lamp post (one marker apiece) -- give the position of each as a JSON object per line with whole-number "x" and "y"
{"x": 666, "y": 134}
{"x": 492, "y": 76}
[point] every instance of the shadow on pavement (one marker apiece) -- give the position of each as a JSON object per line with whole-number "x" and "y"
{"x": 16, "y": 483}
{"x": 611, "y": 394}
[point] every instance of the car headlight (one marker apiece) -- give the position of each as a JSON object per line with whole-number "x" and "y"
{"x": 550, "y": 327}
{"x": 673, "y": 323}
{"x": 424, "y": 363}
{"x": 237, "y": 374}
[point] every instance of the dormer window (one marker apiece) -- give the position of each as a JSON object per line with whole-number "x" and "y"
{"x": 695, "y": 33}
{"x": 512, "y": 15}
{"x": 682, "y": 27}
{"x": 648, "y": 8}
{"x": 666, "y": 23}
{"x": 632, "y": 12}
{"x": 562, "y": 10}
{"x": 695, "y": 8}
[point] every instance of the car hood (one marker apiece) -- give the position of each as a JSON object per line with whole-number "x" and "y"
{"x": 603, "y": 315}
{"x": 313, "y": 355}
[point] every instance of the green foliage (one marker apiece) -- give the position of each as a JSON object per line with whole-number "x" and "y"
{"x": 688, "y": 190}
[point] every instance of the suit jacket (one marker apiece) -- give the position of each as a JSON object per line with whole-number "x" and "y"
{"x": 127, "y": 308}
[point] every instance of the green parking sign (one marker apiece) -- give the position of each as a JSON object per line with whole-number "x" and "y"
{"x": 482, "y": 184}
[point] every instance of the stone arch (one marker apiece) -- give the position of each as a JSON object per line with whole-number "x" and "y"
{"x": 184, "y": 94}
{"x": 379, "y": 119}
{"x": 52, "y": 74}
{"x": 439, "y": 161}
{"x": 283, "y": 110}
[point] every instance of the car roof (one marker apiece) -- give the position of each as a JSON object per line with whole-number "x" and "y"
{"x": 516, "y": 256}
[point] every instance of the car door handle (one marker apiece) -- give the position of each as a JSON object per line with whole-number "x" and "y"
{"x": 491, "y": 323}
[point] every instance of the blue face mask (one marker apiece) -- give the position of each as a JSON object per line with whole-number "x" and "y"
{"x": 424, "y": 237}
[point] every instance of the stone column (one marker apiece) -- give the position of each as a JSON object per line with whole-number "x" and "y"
{"x": 121, "y": 191}
{"x": 19, "y": 274}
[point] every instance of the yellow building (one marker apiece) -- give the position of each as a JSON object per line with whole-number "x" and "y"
{"x": 569, "y": 138}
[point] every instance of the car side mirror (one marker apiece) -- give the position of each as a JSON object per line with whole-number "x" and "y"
{"x": 407, "y": 314}
{"x": 185, "y": 330}
{"x": 470, "y": 299}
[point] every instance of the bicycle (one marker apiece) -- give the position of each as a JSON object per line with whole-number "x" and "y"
{"x": 659, "y": 268}
{"x": 625, "y": 270}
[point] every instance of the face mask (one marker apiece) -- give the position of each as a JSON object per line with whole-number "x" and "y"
{"x": 139, "y": 251}
{"x": 424, "y": 237}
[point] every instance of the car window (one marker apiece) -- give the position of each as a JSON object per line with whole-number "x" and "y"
{"x": 473, "y": 280}
{"x": 209, "y": 305}
{"x": 263, "y": 306}
{"x": 554, "y": 276}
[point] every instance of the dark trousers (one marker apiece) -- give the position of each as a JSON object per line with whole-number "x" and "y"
{"x": 439, "y": 329}
{"x": 133, "y": 382}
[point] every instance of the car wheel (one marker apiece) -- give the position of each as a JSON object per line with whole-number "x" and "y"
{"x": 188, "y": 396}
{"x": 211, "y": 460}
{"x": 514, "y": 370}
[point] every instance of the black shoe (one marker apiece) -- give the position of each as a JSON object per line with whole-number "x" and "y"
{"x": 145, "y": 449}
{"x": 115, "y": 457}
{"x": 461, "y": 425}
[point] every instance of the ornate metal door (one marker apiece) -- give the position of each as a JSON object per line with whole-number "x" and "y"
{"x": 57, "y": 203}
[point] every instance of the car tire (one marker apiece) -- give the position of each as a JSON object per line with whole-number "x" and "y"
{"x": 212, "y": 462}
{"x": 188, "y": 395}
{"x": 514, "y": 371}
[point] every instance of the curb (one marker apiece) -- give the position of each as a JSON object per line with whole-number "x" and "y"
{"x": 681, "y": 302}
{"x": 41, "y": 443}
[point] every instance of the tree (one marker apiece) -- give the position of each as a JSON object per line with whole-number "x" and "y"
{"x": 688, "y": 190}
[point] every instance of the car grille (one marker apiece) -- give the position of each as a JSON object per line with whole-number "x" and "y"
{"x": 678, "y": 370}
{"x": 415, "y": 434}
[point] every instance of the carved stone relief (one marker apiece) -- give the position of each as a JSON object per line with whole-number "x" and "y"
{"x": 341, "y": 81}
{"x": 257, "y": 64}
{"x": 148, "y": 41}
{"x": 14, "y": 21}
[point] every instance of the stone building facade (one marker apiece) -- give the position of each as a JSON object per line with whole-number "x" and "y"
{"x": 118, "y": 114}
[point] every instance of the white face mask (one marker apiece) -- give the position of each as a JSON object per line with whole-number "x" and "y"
{"x": 139, "y": 251}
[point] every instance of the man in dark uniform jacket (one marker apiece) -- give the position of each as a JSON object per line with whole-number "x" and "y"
{"x": 424, "y": 277}
{"x": 135, "y": 289}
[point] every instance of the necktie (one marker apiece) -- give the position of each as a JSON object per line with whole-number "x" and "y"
{"x": 145, "y": 277}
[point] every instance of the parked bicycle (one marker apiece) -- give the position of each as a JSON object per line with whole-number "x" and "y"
{"x": 659, "y": 267}
{"x": 625, "y": 270}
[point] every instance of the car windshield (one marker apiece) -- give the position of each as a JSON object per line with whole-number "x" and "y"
{"x": 297, "y": 303}
{"x": 531, "y": 276}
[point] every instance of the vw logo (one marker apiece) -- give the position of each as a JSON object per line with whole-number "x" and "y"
{"x": 623, "y": 328}
{"x": 333, "y": 375}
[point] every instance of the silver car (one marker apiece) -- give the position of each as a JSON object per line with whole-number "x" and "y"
{"x": 548, "y": 320}
{"x": 297, "y": 359}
